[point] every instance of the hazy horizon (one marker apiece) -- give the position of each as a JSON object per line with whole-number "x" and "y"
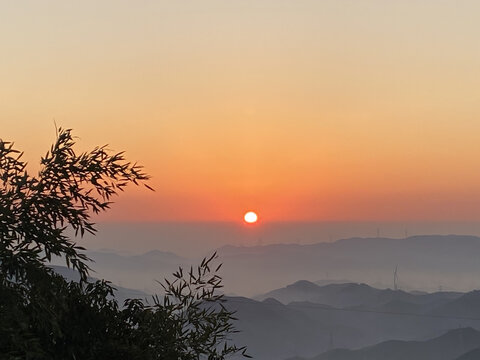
{"x": 195, "y": 239}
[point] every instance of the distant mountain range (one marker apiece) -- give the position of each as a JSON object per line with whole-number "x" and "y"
{"x": 312, "y": 318}
{"x": 458, "y": 344}
{"x": 355, "y": 295}
{"x": 424, "y": 262}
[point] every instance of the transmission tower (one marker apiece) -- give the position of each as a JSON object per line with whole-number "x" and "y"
{"x": 395, "y": 278}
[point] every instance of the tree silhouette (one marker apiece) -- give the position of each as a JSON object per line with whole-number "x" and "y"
{"x": 44, "y": 316}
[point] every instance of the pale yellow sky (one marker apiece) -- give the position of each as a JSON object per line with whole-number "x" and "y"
{"x": 302, "y": 110}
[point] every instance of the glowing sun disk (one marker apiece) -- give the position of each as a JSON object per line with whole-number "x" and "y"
{"x": 250, "y": 217}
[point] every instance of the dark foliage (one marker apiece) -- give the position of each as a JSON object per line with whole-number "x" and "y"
{"x": 44, "y": 316}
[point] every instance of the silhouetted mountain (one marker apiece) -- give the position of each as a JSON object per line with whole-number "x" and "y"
{"x": 272, "y": 301}
{"x": 357, "y": 295}
{"x": 446, "y": 347}
{"x": 424, "y": 262}
{"x": 309, "y": 327}
{"x": 309, "y": 318}
{"x": 274, "y": 331}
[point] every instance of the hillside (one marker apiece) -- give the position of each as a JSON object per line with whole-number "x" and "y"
{"x": 355, "y": 295}
{"x": 449, "y": 346}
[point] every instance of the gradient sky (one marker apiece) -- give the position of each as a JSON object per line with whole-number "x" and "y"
{"x": 301, "y": 110}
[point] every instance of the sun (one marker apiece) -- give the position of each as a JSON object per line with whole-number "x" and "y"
{"x": 250, "y": 217}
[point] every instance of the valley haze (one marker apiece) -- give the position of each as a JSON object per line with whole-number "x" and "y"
{"x": 269, "y": 256}
{"x": 196, "y": 239}
{"x": 308, "y": 300}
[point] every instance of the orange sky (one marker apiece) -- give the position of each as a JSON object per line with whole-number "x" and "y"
{"x": 302, "y": 110}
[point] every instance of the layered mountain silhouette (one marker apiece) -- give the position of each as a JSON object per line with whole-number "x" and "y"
{"x": 353, "y": 294}
{"x": 461, "y": 344}
{"x": 424, "y": 262}
{"x": 310, "y": 317}
{"x": 346, "y": 316}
